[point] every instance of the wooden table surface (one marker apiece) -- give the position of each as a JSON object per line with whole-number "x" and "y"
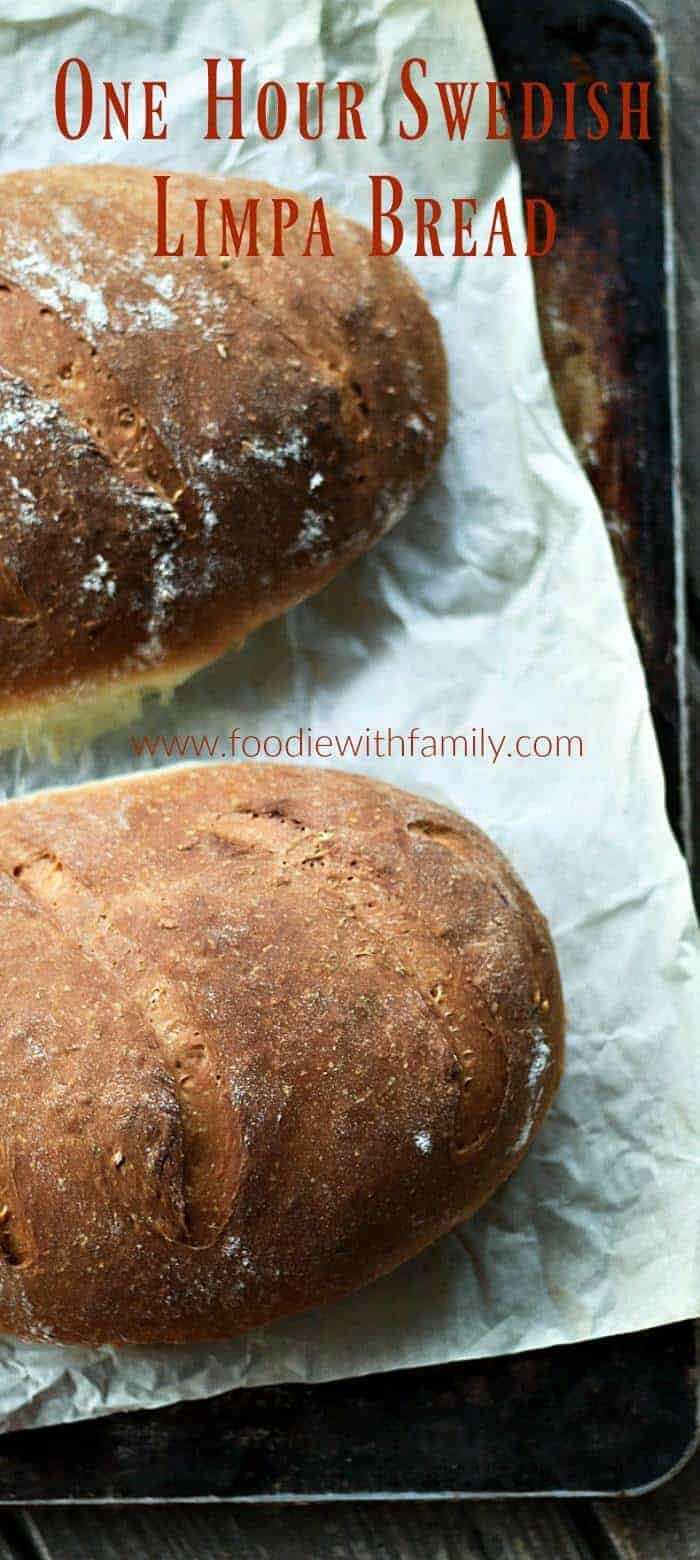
{"x": 664, "y": 1525}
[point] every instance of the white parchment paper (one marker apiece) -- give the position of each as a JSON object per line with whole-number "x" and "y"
{"x": 495, "y": 604}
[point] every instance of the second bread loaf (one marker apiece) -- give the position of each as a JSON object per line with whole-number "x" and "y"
{"x": 265, "y": 1033}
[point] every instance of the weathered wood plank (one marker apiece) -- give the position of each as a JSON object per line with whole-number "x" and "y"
{"x": 13, "y": 1544}
{"x": 529, "y": 1530}
{"x": 374, "y": 1531}
{"x": 662, "y": 1526}
{"x": 219, "y": 1533}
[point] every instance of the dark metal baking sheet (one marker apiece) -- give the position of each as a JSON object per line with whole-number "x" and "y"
{"x": 606, "y": 313}
{"x": 604, "y": 1417}
{"x": 616, "y": 1415}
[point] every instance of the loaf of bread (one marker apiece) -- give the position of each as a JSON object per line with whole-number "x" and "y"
{"x": 266, "y": 1032}
{"x": 188, "y": 445}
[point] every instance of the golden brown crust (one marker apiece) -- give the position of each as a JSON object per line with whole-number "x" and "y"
{"x": 266, "y": 1033}
{"x": 188, "y": 447}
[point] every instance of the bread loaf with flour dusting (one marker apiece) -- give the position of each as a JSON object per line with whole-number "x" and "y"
{"x": 266, "y": 1032}
{"x": 188, "y": 445}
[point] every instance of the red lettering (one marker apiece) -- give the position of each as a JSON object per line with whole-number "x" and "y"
{"x": 318, "y": 229}
{"x": 455, "y": 114}
{"x": 271, "y": 131}
{"x": 498, "y": 111}
{"x": 533, "y": 206}
{"x": 600, "y": 113}
{"x": 546, "y": 107}
{"x": 463, "y": 226}
{"x": 280, "y": 223}
{"x": 235, "y": 98}
{"x": 120, "y": 108}
{"x": 231, "y": 229}
{"x": 414, "y": 98}
{"x": 380, "y": 213}
{"x": 641, "y": 112}
{"x": 60, "y": 99}
{"x": 304, "y": 90}
{"x": 500, "y": 228}
{"x": 428, "y": 214}
{"x": 570, "y": 117}
{"x": 200, "y": 202}
{"x": 162, "y": 219}
{"x": 349, "y": 111}
{"x": 153, "y": 111}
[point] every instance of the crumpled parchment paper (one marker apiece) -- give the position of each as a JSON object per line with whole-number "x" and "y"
{"x": 495, "y": 604}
